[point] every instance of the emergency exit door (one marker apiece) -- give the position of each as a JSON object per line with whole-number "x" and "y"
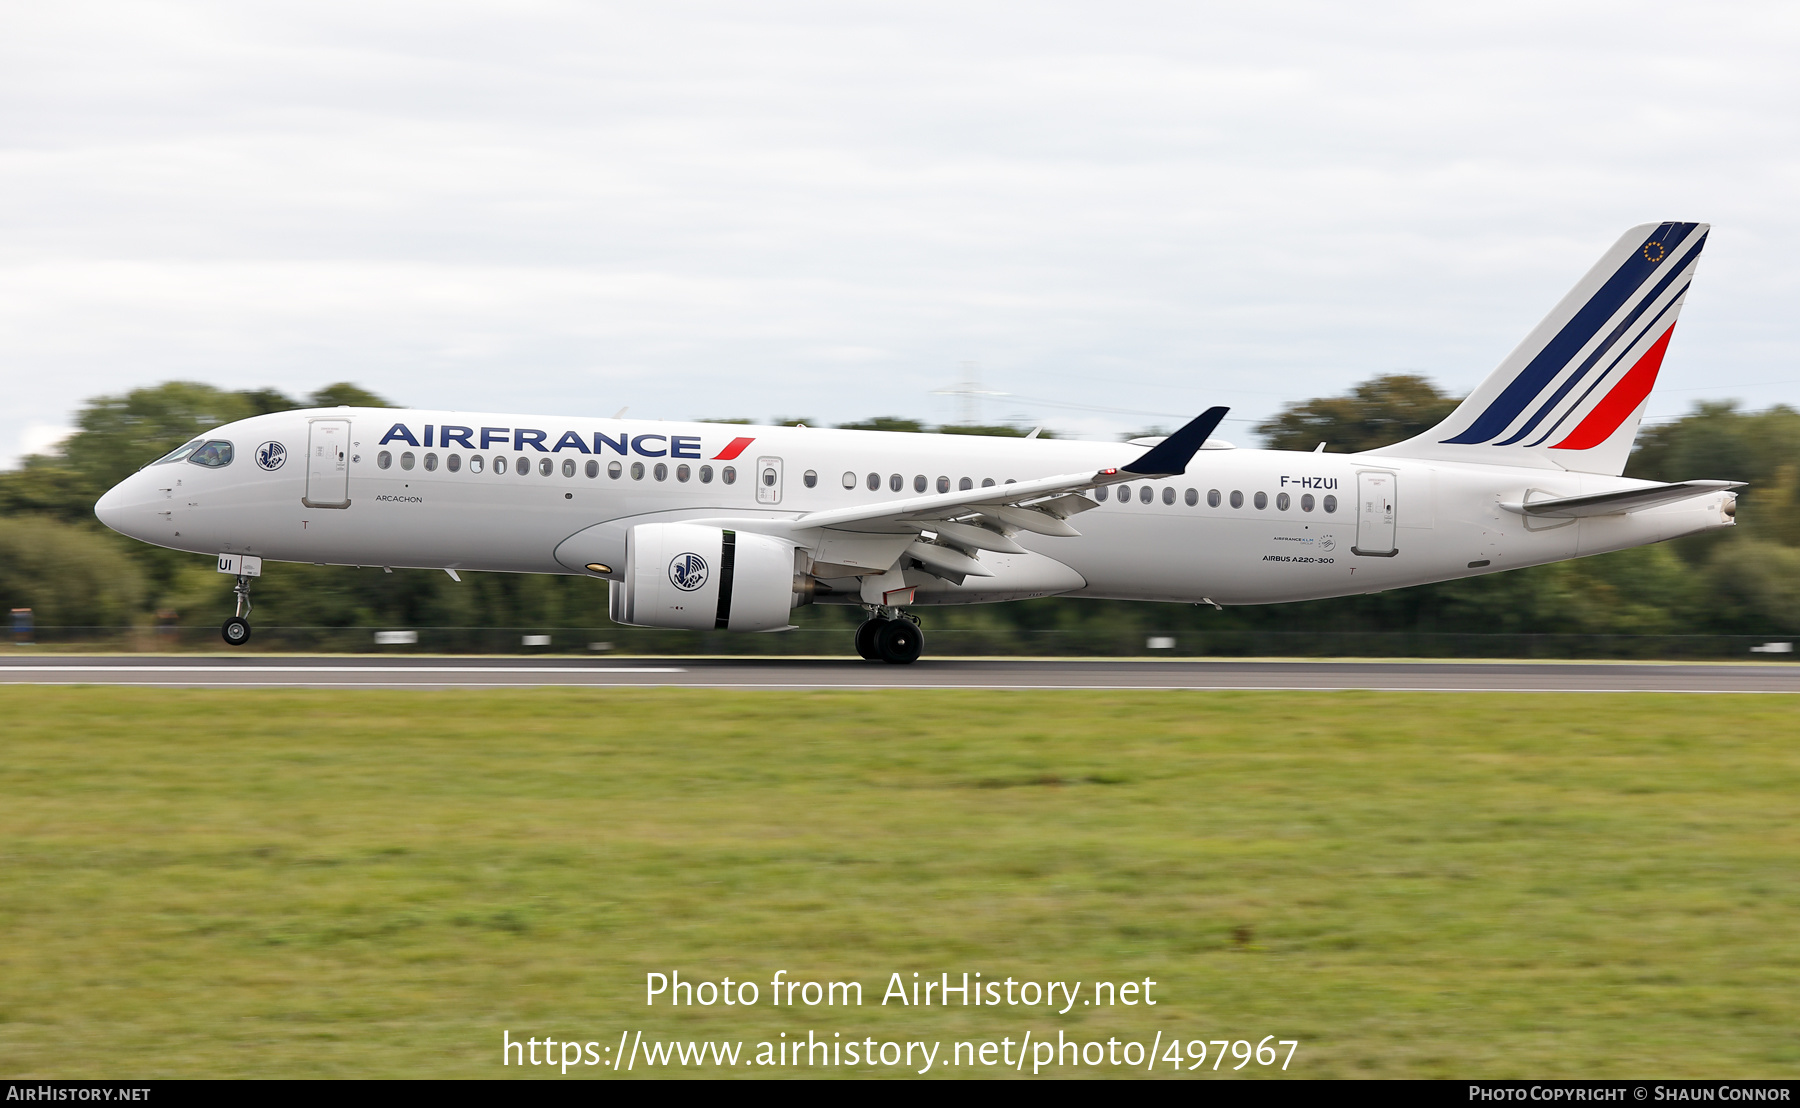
{"x": 768, "y": 480}
{"x": 328, "y": 464}
{"x": 1374, "y": 515}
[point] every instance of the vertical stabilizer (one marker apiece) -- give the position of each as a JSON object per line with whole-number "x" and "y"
{"x": 1572, "y": 394}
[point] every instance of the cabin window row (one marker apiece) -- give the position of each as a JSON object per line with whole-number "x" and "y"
{"x": 546, "y": 467}
{"x": 896, "y": 482}
{"x": 1283, "y": 501}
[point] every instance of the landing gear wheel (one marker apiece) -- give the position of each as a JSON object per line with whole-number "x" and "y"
{"x": 899, "y": 642}
{"x": 236, "y": 631}
{"x": 866, "y": 634}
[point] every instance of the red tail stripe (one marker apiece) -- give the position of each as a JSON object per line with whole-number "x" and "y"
{"x": 1621, "y": 401}
{"x": 732, "y": 449}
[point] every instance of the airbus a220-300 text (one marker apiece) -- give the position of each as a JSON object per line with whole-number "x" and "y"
{"x": 711, "y": 526}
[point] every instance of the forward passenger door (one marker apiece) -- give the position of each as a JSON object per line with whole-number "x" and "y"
{"x": 328, "y": 464}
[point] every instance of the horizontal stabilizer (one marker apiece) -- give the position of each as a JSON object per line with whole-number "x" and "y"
{"x": 1617, "y": 503}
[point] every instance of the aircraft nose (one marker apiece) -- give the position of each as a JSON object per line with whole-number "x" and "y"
{"x": 114, "y": 508}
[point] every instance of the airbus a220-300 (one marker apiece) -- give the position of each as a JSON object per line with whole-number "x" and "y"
{"x": 710, "y": 526}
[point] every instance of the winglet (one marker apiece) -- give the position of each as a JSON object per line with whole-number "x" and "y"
{"x": 1171, "y": 456}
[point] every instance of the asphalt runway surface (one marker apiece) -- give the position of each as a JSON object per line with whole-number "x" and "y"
{"x": 353, "y": 671}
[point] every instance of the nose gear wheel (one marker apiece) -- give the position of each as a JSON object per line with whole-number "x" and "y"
{"x": 236, "y": 630}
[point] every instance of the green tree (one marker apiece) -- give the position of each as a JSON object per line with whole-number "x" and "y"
{"x": 69, "y": 575}
{"x": 1378, "y": 412}
{"x": 994, "y": 430}
{"x": 343, "y": 392}
{"x": 884, "y": 423}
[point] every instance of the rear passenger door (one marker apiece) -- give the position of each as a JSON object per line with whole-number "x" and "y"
{"x": 1375, "y": 515}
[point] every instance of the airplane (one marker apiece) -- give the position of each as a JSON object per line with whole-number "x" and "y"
{"x": 731, "y": 527}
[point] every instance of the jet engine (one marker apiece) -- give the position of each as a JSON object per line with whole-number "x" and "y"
{"x": 697, "y": 577}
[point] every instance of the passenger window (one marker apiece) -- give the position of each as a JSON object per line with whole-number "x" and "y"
{"x": 1212, "y": 498}
{"x": 1146, "y": 494}
{"x": 920, "y": 483}
{"x": 384, "y": 460}
{"x": 661, "y": 471}
{"x": 1306, "y": 502}
{"x": 546, "y": 467}
{"x": 430, "y": 463}
{"x": 406, "y": 459}
{"x": 706, "y": 475}
{"x": 728, "y": 475}
{"x": 522, "y": 466}
{"x": 874, "y": 482}
{"x": 499, "y": 464}
{"x": 1123, "y": 492}
{"x": 896, "y": 482}
{"x": 1168, "y": 496}
{"x": 637, "y": 471}
{"x": 810, "y": 478}
{"x": 1100, "y": 494}
{"x": 1282, "y": 501}
{"x": 474, "y": 463}
{"x": 1331, "y": 503}
{"x": 1262, "y": 501}
{"x": 987, "y": 482}
{"x": 593, "y": 469}
{"x": 965, "y": 485}
{"x": 568, "y": 467}
{"x": 768, "y": 477}
{"x": 453, "y": 462}
{"x": 682, "y": 473}
{"x": 943, "y": 484}
{"x": 613, "y": 469}
{"x": 1237, "y": 499}
{"x": 849, "y": 479}
{"x": 1193, "y": 497}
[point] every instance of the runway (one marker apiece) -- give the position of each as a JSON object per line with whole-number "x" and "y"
{"x": 351, "y": 671}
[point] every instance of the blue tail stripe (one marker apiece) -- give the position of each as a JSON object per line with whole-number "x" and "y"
{"x": 1608, "y": 371}
{"x": 1631, "y": 317}
{"x": 1574, "y": 335}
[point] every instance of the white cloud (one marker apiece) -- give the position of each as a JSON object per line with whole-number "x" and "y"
{"x": 708, "y": 209}
{"x": 37, "y": 438}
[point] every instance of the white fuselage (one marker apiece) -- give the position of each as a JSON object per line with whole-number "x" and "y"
{"x": 1286, "y": 526}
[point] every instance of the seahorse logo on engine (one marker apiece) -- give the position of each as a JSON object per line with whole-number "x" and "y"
{"x": 687, "y": 572}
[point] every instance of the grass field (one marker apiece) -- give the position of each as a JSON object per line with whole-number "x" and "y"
{"x": 250, "y": 883}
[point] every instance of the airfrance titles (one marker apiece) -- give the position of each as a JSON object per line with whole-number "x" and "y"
{"x": 520, "y": 438}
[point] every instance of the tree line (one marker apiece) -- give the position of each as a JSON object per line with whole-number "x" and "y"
{"x": 57, "y": 560}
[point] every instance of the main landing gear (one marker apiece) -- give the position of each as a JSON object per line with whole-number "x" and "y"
{"x": 890, "y": 635}
{"x": 236, "y": 630}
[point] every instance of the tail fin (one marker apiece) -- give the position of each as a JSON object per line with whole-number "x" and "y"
{"x": 1572, "y": 394}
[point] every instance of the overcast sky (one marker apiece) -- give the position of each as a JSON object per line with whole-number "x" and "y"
{"x": 1119, "y": 213}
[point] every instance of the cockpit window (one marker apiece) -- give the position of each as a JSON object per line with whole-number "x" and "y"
{"x": 178, "y": 453}
{"x": 213, "y": 455}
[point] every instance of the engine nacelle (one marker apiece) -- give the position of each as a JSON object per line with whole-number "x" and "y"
{"x": 696, "y": 577}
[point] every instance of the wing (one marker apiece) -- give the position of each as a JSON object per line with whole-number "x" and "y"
{"x": 871, "y": 538}
{"x": 1041, "y": 505}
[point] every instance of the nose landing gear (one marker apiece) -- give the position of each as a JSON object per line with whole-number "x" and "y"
{"x": 890, "y": 635}
{"x": 236, "y": 630}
